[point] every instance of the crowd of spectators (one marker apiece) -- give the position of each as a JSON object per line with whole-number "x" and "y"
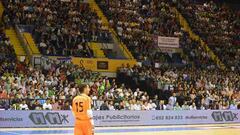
{"x": 205, "y": 89}
{"x": 61, "y": 28}
{"x": 22, "y": 86}
{"x": 218, "y": 25}
{"x": 147, "y": 87}
{"x": 53, "y": 86}
{"x": 138, "y": 22}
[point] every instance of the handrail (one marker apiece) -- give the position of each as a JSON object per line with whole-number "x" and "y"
{"x": 121, "y": 44}
{"x": 22, "y": 42}
{"x": 1, "y": 10}
{"x": 30, "y": 47}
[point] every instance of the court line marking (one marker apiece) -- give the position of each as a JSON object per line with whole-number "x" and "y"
{"x": 11, "y": 133}
{"x": 112, "y": 130}
{"x": 123, "y": 127}
{"x": 156, "y": 129}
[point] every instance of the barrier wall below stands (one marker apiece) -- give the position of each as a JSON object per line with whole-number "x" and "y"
{"x": 96, "y": 64}
{"x": 102, "y": 64}
{"x": 118, "y": 118}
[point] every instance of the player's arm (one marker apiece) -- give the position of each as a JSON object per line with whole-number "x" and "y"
{"x": 90, "y": 113}
{"x": 89, "y": 110}
{"x": 73, "y": 107}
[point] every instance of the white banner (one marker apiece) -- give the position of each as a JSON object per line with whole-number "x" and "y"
{"x": 168, "y": 42}
{"x": 118, "y": 118}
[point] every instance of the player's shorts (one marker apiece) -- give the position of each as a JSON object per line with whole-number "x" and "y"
{"x": 83, "y": 128}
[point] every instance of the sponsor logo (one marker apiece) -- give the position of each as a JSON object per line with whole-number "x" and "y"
{"x": 38, "y": 118}
{"x": 196, "y": 117}
{"x": 117, "y": 118}
{"x": 219, "y": 116}
{"x": 11, "y": 119}
{"x": 167, "y": 117}
{"x": 102, "y": 65}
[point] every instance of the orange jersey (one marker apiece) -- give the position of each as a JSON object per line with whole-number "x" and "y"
{"x": 80, "y": 105}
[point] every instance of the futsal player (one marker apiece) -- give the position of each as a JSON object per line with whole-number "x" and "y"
{"x": 81, "y": 107}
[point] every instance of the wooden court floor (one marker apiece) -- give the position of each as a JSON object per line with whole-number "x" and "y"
{"x": 219, "y": 129}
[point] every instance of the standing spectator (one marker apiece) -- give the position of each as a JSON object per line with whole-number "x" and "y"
{"x": 172, "y": 100}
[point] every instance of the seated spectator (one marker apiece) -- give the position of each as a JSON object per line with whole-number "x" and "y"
{"x": 66, "y": 106}
{"x": 177, "y": 107}
{"x": 137, "y": 106}
{"x": 161, "y": 105}
{"x": 169, "y": 107}
{"x": 233, "y": 106}
{"x": 104, "y": 106}
{"x": 202, "y": 107}
{"x": 3, "y": 94}
{"x": 226, "y": 106}
{"x": 145, "y": 106}
{"x": 23, "y": 106}
{"x": 37, "y": 106}
{"x": 110, "y": 106}
{"x": 121, "y": 106}
{"x": 185, "y": 106}
{"x": 193, "y": 107}
{"x": 55, "y": 105}
{"x": 152, "y": 105}
{"x": 126, "y": 105}
{"x": 47, "y": 105}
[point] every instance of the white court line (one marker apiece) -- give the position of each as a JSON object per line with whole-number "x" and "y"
{"x": 34, "y": 129}
{"x": 12, "y": 133}
{"x": 124, "y": 127}
{"x": 47, "y": 134}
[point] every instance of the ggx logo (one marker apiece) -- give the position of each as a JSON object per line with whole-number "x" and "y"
{"x": 38, "y": 118}
{"x": 227, "y": 116}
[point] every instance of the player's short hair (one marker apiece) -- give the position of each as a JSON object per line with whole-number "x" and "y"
{"x": 82, "y": 87}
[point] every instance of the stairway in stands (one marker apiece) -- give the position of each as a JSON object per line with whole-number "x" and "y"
{"x": 1, "y": 10}
{"x": 187, "y": 28}
{"x": 98, "y": 53}
{"x": 32, "y": 47}
{"x": 11, "y": 33}
{"x": 95, "y": 7}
